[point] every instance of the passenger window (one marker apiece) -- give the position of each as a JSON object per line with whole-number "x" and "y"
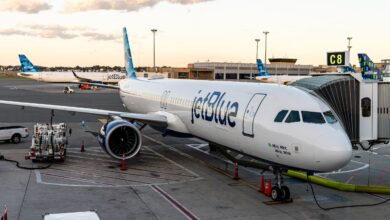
{"x": 293, "y": 117}
{"x": 280, "y": 116}
{"x": 329, "y": 117}
{"x": 313, "y": 117}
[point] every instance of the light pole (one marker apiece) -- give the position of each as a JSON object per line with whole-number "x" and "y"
{"x": 154, "y": 49}
{"x": 257, "y": 48}
{"x": 265, "y": 54}
{"x": 349, "y": 49}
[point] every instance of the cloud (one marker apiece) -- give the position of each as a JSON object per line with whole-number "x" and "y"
{"x": 99, "y": 36}
{"x": 62, "y": 32}
{"x": 125, "y": 5}
{"x": 30, "y": 6}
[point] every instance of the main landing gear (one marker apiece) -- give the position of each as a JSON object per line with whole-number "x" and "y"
{"x": 279, "y": 192}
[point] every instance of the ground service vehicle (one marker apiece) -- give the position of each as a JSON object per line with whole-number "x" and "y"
{"x": 13, "y": 133}
{"x": 68, "y": 90}
{"x": 49, "y": 142}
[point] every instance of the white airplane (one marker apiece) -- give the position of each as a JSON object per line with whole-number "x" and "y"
{"x": 279, "y": 79}
{"x": 31, "y": 72}
{"x": 281, "y": 125}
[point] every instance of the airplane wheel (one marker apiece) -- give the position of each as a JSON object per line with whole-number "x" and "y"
{"x": 285, "y": 193}
{"x": 276, "y": 193}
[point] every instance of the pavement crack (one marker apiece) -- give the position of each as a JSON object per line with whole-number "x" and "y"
{"x": 24, "y": 195}
{"x": 143, "y": 202}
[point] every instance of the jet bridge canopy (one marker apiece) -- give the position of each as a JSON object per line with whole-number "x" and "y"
{"x": 342, "y": 94}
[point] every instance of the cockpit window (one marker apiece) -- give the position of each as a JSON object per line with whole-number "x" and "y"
{"x": 313, "y": 117}
{"x": 293, "y": 117}
{"x": 329, "y": 117}
{"x": 280, "y": 116}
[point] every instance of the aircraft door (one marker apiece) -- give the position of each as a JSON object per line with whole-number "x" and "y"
{"x": 164, "y": 99}
{"x": 250, "y": 113}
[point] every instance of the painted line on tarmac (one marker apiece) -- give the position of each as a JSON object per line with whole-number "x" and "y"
{"x": 196, "y": 176}
{"x": 365, "y": 166}
{"x": 207, "y": 164}
{"x": 173, "y": 162}
{"x": 176, "y": 204}
{"x": 228, "y": 161}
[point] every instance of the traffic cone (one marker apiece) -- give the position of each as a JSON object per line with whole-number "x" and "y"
{"x": 262, "y": 186}
{"x": 236, "y": 177}
{"x": 268, "y": 187}
{"x": 82, "y": 146}
{"x": 123, "y": 164}
{"x": 5, "y": 216}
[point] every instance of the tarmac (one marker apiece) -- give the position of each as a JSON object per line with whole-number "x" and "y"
{"x": 172, "y": 178}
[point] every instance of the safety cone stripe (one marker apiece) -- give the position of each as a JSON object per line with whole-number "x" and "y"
{"x": 262, "y": 187}
{"x": 268, "y": 186}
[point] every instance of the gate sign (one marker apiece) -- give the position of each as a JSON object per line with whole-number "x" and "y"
{"x": 337, "y": 58}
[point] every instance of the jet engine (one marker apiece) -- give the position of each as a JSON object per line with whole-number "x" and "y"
{"x": 120, "y": 138}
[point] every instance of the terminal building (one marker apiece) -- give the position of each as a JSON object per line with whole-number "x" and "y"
{"x": 245, "y": 71}
{"x": 228, "y": 71}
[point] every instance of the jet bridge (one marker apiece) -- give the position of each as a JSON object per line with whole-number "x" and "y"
{"x": 362, "y": 106}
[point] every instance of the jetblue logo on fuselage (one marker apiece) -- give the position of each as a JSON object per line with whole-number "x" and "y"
{"x": 115, "y": 76}
{"x": 214, "y": 108}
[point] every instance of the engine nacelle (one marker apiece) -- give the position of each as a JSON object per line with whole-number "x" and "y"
{"x": 120, "y": 139}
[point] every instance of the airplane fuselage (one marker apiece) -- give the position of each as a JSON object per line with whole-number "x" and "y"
{"x": 241, "y": 117}
{"x": 65, "y": 77}
{"x": 281, "y": 79}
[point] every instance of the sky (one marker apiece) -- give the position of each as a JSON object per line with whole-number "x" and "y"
{"x": 89, "y": 32}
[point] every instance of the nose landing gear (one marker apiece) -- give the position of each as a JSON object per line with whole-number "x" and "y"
{"x": 280, "y": 192}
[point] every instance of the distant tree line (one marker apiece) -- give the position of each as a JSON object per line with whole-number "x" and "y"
{"x": 96, "y": 68}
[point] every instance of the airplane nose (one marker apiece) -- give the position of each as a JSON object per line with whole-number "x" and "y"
{"x": 333, "y": 151}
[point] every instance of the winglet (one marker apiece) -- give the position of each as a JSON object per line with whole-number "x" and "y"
{"x": 128, "y": 59}
{"x": 261, "y": 68}
{"x": 26, "y": 65}
{"x": 368, "y": 68}
{"x": 75, "y": 75}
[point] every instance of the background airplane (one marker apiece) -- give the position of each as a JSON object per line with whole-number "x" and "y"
{"x": 265, "y": 77}
{"x": 31, "y": 72}
{"x": 280, "y": 125}
{"x": 368, "y": 68}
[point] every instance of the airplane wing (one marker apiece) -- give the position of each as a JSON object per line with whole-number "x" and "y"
{"x": 151, "y": 118}
{"x": 97, "y": 84}
{"x": 81, "y": 78}
{"x": 91, "y": 82}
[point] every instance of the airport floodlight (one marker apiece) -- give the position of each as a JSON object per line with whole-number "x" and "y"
{"x": 154, "y": 48}
{"x": 265, "y": 53}
{"x": 349, "y": 43}
{"x": 257, "y": 48}
{"x": 349, "y": 48}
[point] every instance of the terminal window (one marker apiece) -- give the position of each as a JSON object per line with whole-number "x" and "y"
{"x": 245, "y": 76}
{"x": 231, "y": 76}
{"x": 219, "y": 76}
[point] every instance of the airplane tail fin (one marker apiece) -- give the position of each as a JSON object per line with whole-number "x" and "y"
{"x": 128, "y": 59}
{"x": 26, "y": 65}
{"x": 368, "y": 67}
{"x": 262, "y": 71}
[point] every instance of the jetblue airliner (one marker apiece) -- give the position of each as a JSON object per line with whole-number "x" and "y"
{"x": 31, "y": 72}
{"x": 281, "y": 125}
{"x": 265, "y": 77}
